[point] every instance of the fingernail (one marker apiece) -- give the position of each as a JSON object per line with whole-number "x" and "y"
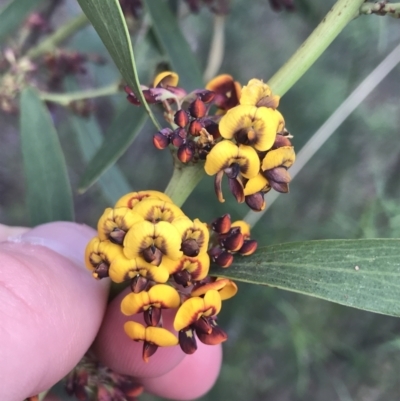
{"x": 66, "y": 238}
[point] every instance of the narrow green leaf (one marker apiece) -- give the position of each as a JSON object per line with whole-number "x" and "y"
{"x": 108, "y": 20}
{"x": 49, "y": 195}
{"x": 171, "y": 39}
{"x": 113, "y": 183}
{"x": 12, "y": 15}
{"x": 363, "y": 274}
{"x": 123, "y": 130}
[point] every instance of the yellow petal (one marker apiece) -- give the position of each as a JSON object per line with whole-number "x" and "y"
{"x": 133, "y": 198}
{"x": 138, "y": 238}
{"x": 189, "y": 312}
{"x": 92, "y": 257}
{"x": 212, "y": 303}
{"x": 235, "y": 119}
{"x": 195, "y": 230}
{"x": 155, "y": 210}
{"x": 251, "y": 125}
{"x": 197, "y": 266}
{"x": 283, "y": 156}
{"x": 248, "y": 161}
{"x": 226, "y": 288}
{"x": 254, "y": 91}
{"x": 193, "y": 308}
{"x": 244, "y": 227}
{"x": 135, "y": 331}
{"x": 225, "y": 153}
{"x": 159, "y": 296}
{"x": 122, "y": 269}
{"x": 166, "y": 78}
{"x": 255, "y": 184}
{"x": 168, "y": 240}
{"x": 161, "y": 337}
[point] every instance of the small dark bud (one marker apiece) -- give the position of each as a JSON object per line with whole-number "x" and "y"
{"x": 178, "y": 138}
{"x": 217, "y": 335}
{"x": 195, "y": 127}
{"x": 206, "y": 96}
{"x": 232, "y": 241}
{"x": 181, "y": 118}
{"x": 249, "y": 247}
{"x": 160, "y": 141}
{"x": 183, "y": 278}
{"x": 149, "y": 349}
{"x": 152, "y": 255}
{"x": 117, "y": 236}
{"x": 139, "y": 284}
{"x": 185, "y": 153}
{"x": 280, "y": 141}
{"x": 197, "y": 108}
{"x": 152, "y": 316}
{"x": 222, "y": 224}
{"x": 187, "y": 341}
{"x": 190, "y": 247}
{"x": 212, "y": 128}
{"x": 255, "y": 202}
{"x": 101, "y": 271}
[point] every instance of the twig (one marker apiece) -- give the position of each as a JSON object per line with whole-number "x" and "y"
{"x": 381, "y": 8}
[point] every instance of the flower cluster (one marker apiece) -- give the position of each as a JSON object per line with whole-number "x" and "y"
{"x": 149, "y": 241}
{"x": 237, "y": 131}
{"x": 90, "y": 380}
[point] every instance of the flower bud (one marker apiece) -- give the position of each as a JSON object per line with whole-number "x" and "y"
{"x": 181, "y": 118}
{"x": 197, "y": 108}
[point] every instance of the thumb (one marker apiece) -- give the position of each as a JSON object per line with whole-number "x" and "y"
{"x": 50, "y": 307}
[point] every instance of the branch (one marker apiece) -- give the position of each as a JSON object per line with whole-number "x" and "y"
{"x": 381, "y": 8}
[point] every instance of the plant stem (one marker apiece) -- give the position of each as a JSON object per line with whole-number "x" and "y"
{"x": 66, "y": 98}
{"x": 216, "y": 52}
{"x": 183, "y": 181}
{"x": 381, "y": 8}
{"x": 334, "y": 22}
{"x": 61, "y": 34}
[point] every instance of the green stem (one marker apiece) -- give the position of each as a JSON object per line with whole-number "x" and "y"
{"x": 66, "y": 98}
{"x": 381, "y": 8}
{"x": 61, "y": 34}
{"x": 335, "y": 21}
{"x": 183, "y": 181}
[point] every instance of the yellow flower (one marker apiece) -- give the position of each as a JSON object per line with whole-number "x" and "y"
{"x": 227, "y": 91}
{"x": 155, "y": 211}
{"x": 255, "y": 184}
{"x": 194, "y": 235}
{"x": 197, "y": 266}
{"x": 153, "y": 337}
{"x": 281, "y": 157}
{"x": 166, "y": 78}
{"x": 99, "y": 255}
{"x": 226, "y": 288}
{"x": 226, "y": 153}
{"x": 251, "y": 125}
{"x": 257, "y": 93}
{"x": 160, "y": 296}
{"x": 114, "y": 223}
{"x": 152, "y": 241}
{"x": 133, "y": 198}
{"x": 195, "y": 308}
{"x": 122, "y": 269}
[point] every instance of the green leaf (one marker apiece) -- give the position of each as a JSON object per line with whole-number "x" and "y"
{"x": 171, "y": 39}
{"x": 12, "y": 15}
{"x": 108, "y": 20}
{"x": 49, "y": 195}
{"x": 113, "y": 183}
{"x": 363, "y": 274}
{"x": 123, "y": 130}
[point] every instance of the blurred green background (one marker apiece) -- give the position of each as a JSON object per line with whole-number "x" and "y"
{"x": 282, "y": 346}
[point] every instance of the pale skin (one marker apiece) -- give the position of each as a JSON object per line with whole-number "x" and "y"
{"x": 52, "y": 310}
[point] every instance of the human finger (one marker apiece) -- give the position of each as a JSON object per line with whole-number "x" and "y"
{"x": 50, "y": 307}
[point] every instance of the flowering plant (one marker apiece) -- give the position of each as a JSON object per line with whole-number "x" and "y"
{"x": 170, "y": 254}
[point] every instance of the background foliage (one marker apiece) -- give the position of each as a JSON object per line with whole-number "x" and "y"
{"x": 282, "y": 346}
